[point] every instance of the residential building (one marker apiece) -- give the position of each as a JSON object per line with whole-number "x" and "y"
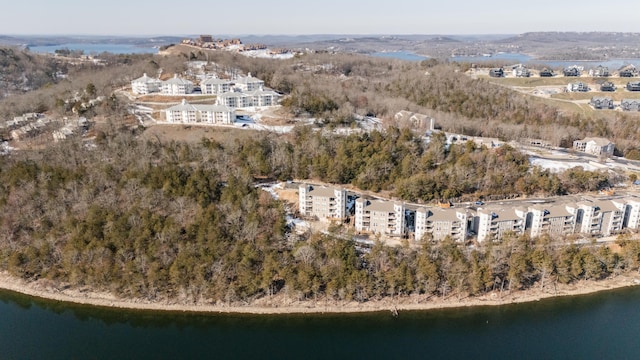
{"x": 380, "y": 217}
{"x": 607, "y": 86}
{"x": 571, "y": 71}
{"x": 211, "y": 114}
{"x": 247, "y": 99}
{"x": 598, "y": 217}
{"x": 600, "y": 71}
{"x": 578, "y": 87}
{"x": 546, "y": 72}
{"x": 520, "y": 71}
{"x": 325, "y": 203}
{"x": 215, "y": 86}
{"x": 494, "y": 222}
{"x": 440, "y": 223}
{"x": 632, "y": 213}
{"x": 498, "y": 72}
{"x": 145, "y": 85}
{"x": 595, "y": 146}
{"x": 601, "y": 102}
{"x": 630, "y": 105}
{"x": 177, "y": 86}
{"x": 248, "y": 83}
{"x": 628, "y": 71}
{"x": 551, "y": 219}
{"x": 633, "y": 86}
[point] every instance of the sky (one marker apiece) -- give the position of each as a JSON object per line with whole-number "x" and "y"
{"x": 287, "y": 17}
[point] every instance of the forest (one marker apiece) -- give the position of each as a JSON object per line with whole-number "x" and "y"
{"x": 185, "y": 222}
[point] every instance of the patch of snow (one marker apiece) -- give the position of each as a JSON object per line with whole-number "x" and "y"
{"x": 559, "y": 166}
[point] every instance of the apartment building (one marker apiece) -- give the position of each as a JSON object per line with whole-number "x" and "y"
{"x": 599, "y": 217}
{"x": 494, "y": 222}
{"x": 248, "y": 83}
{"x": 210, "y": 114}
{"x": 551, "y": 219}
{"x": 595, "y": 146}
{"x": 177, "y": 86}
{"x": 145, "y": 85}
{"x": 440, "y": 223}
{"x": 214, "y": 86}
{"x": 380, "y": 217}
{"x": 247, "y": 99}
{"x": 325, "y": 203}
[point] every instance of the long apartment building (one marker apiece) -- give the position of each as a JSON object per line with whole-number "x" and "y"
{"x": 176, "y": 86}
{"x": 256, "y": 98}
{"x": 215, "y": 86}
{"x": 590, "y": 216}
{"x": 145, "y": 85}
{"x": 210, "y": 114}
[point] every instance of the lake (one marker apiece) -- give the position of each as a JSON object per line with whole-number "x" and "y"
{"x": 603, "y": 325}
{"x": 401, "y": 55}
{"x": 96, "y": 48}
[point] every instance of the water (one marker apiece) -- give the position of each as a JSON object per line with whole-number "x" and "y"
{"x": 604, "y": 325}
{"x": 96, "y": 48}
{"x": 401, "y": 55}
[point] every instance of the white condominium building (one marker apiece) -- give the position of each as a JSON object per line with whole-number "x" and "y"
{"x": 177, "y": 86}
{"x": 145, "y": 85}
{"x": 215, "y": 86}
{"x": 211, "y": 114}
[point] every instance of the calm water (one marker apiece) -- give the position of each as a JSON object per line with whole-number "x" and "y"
{"x": 97, "y": 48}
{"x": 402, "y": 55}
{"x": 601, "y": 326}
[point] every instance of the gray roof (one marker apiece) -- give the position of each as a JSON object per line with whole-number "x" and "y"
{"x": 185, "y": 106}
{"x": 215, "y": 81}
{"x": 504, "y": 214}
{"x": 146, "y": 79}
{"x": 178, "y": 81}
{"x": 380, "y": 205}
{"x": 558, "y": 210}
{"x": 322, "y": 191}
{"x": 598, "y": 140}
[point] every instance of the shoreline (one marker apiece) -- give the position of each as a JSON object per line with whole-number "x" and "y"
{"x": 280, "y": 304}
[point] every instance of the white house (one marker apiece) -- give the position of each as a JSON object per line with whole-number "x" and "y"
{"x": 177, "y": 86}
{"x": 145, "y": 85}
{"x": 211, "y": 114}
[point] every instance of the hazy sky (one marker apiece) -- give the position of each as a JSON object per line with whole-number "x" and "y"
{"x": 166, "y": 17}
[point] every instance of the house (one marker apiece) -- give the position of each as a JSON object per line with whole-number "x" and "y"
{"x": 551, "y": 219}
{"x": 520, "y": 71}
{"x": 546, "y": 72}
{"x": 497, "y": 72}
{"x": 628, "y": 71}
{"x": 571, "y": 71}
{"x": 177, "y": 86}
{"x": 494, "y": 222}
{"x": 248, "y": 83}
{"x": 578, "y": 87}
{"x": 210, "y": 114}
{"x": 440, "y": 223}
{"x": 380, "y": 217}
{"x": 607, "y": 86}
{"x": 215, "y": 86}
{"x": 325, "y": 203}
{"x": 145, "y": 85}
{"x": 633, "y": 86}
{"x": 601, "y": 102}
{"x": 415, "y": 119}
{"x": 630, "y": 104}
{"x": 595, "y": 146}
{"x": 600, "y": 71}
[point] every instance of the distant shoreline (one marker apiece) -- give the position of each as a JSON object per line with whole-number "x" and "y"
{"x": 281, "y": 305}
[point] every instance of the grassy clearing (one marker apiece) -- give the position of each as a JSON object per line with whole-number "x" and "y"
{"x": 195, "y": 133}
